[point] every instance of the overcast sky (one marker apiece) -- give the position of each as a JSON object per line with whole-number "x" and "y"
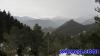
{"x": 49, "y": 8}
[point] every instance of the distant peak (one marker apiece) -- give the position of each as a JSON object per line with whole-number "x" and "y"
{"x": 72, "y": 21}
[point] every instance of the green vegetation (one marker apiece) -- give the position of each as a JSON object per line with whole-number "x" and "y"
{"x": 16, "y": 37}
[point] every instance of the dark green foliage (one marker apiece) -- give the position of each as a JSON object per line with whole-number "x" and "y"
{"x": 7, "y": 22}
{"x": 17, "y": 35}
{"x": 2, "y": 53}
{"x": 37, "y": 41}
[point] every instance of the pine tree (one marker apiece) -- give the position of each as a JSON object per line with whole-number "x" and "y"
{"x": 38, "y": 38}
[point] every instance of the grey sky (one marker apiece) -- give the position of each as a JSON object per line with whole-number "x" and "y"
{"x": 49, "y": 8}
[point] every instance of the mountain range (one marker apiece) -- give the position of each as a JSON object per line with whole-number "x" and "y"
{"x": 58, "y": 23}
{"x": 44, "y": 23}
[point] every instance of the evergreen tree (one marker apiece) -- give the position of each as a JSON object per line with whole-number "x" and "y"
{"x": 13, "y": 32}
{"x": 38, "y": 38}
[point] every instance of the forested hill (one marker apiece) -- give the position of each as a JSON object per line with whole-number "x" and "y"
{"x": 7, "y": 22}
{"x": 89, "y": 39}
{"x": 16, "y": 37}
{"x": 72, "y": 28}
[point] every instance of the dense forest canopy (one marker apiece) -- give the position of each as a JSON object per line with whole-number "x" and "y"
{"x": 18, "y": 36}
